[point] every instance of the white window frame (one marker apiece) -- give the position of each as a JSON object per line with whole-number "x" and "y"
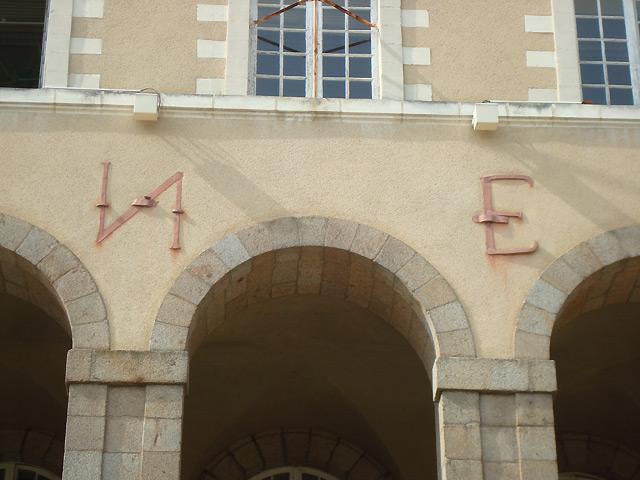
{"x": 57, "y": 39}
{"x": 12, "y": 469}
{"x": 295, "y": 473}
{"x": 389, "y": 61}
{"x": 309, "y": 6}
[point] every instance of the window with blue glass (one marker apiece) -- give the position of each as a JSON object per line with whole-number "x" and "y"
{"x": 314, "y": 48}
{"x": 608, "y": 32}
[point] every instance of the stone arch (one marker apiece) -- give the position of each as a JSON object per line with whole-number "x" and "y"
{"x": 597, "y": 456}
{"x": 294, "y": 447}
{"x": 607, "y": 253}
{"x": 51, "y": 276}
{"x": 433, "y": 302}
{"x": 33, "y": 447}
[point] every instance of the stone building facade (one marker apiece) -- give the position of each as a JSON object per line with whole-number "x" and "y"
{"x": 200, "y": 281}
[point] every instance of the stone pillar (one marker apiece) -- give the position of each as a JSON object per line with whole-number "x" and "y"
{"x": 162, "y": 432}
{"x": 458, "y": 416}
{"x": 495, "y": 419}
{"x": 518, "y": 437}
{"x": 124, "y": 415}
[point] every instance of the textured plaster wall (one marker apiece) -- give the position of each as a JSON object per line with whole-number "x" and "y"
{"x": 478, "y": 49}
{"x": 416, "y": 181}
{"x": 149, "y": 44}
{"x": 154, "y": 44}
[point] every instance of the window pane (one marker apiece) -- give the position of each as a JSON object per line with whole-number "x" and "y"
{"x": 590, "y": 51}
{"x": 333, "y": 42}
{"x": 611, "y": 7}
{"x": 593, "y": 74}
{"x": 333, "y": 89}
{"x": 333, "y": 66}
{"x": 616, "y": 51}
{"x": 268, "y": 40}
{"x": 359, "y": 43}
{"x": 357, "y": 24}
{"x": 588, "y": 28}
{"x": 596, "y": 95}
{"x": 613, "y": 28}
{"x": 294, "y": 42}
{"x": 586, "y": 7}
{"x": 295, "y": 18}
{"x": 621, "y": 96}
{"x": 360, "y": 89}
{"x": 293, "y": 88}
{"x": 281, "y": 476}
{"x": 272, "y": 22}
{"x": 268, "y": 64}
{"x": 267, "y": 86}
{"x": 359, "y": 67}
{"x": 619, "y": 74}
{"x": 333, "y": 19}
{"x": 359, "y": 3}
{"x": 294, "y": 66}
{"x": 26, "y": 475}
{"x": 308, "y": 476}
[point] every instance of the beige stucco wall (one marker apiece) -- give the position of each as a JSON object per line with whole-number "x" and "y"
{"x": 149, "y": 45}
{"x": 154, "y": 44}
{"x": 416, "y": 180}
{"x": 478, "y": 49}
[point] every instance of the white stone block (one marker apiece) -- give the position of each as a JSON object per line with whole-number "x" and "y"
{"x": 145, "y": 106}
{"x": 212, "y": 13}
{"x": 210, "y": 86}
{"x": 541, "y": 59}
{"x": 57, "y": 44}
{"x": 415, "y": 18}
{"x": 543, "y": 95}
{"x": 485, "y": 116}
{"x": 84, "y": 80}
{"x": 85, "y": 46}
{"x": 417, "y": 92}
{"x": 416, "y": 55}
{"x": 88, "y": 8}
{"x": 212, "y": 49}
{"x": 538, "y": 23}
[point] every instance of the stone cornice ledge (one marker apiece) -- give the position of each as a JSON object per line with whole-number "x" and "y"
{"x": 120, "y": 367}
{"x": 68, "y": 100}
{"x": 493, "y": 375}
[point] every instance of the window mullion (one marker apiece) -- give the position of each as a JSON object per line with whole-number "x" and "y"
{"x": 633, "y": 46}
{"x": 281, "y": 53}
{"x": 309, "y": 49}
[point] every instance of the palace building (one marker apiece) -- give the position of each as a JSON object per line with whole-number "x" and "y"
{"x": 321, "y": 240}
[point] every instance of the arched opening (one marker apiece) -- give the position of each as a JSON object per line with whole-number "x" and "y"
{"x": 19, "y": 471}
{"x": 21, "y": 38}
{"x": 33, "y": 348}
{"x": 595, "y": 345}
{"x": 316, "y": 331}
{"x": 46, "y": 294}
{"x": 299, "y": 361}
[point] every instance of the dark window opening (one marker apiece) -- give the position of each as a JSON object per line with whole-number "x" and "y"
{"x": 21, "y": 40}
